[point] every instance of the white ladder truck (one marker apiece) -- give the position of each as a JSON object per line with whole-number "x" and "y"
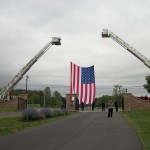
{"x": 4, "y": 93}
{"x": 107, "y": 33}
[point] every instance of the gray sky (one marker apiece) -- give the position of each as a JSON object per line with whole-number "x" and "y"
{"x": 27, "y": 25}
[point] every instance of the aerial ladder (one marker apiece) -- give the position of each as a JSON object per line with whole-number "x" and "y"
{"x": 107, "y": 33}
{"x": 4, "y": 93}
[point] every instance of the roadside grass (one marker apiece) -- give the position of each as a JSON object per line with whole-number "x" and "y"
{"x": 8, "y": 110}
{"x": 12, "y": 125}
{"x": 141, "y": 122}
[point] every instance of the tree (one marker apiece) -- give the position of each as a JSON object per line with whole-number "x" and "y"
{"x": 117, "y": 90}
{"x": 57, "y": 98}
{"x": 97, "y": 102}
{"x": 63, "y": 102}
{"x": 106, "y": 98}
{"x": 147, "y": 85}
{"x": 47, "y": 91}
{"x": 47, "y": 96}
{"x": 33, "y": 99}
{"x": 117, "y": 93}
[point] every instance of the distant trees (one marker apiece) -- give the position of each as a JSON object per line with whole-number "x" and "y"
{"x": 117, "y": 90}
{"x": 97, "y": 102}
{"x": 47, "y": 96}
{"x": 147, "y": 85}
{"x": 54, "y": 100}
{"x": 104, "y": 98}
{"x": 57, "y": 99}
{"x": 117, "y": 93}
{"x": 37, "y": 97}
{"x": 47, "y": 91}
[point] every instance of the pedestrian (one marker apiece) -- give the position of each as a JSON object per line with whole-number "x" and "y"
{"x": 103, "y": 106}
{"x": 116, "y": 106}
{"x": 82, "y": 106}
{"x": 93, "y": 106}
{"x": 110, "y": 108}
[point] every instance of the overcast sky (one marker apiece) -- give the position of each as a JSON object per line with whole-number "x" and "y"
{"x": 27, "y": 25}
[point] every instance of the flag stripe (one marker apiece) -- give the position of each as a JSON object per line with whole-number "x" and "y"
{"x": 71, "y": 77}
{"x": 78, "y": 80}
{"x": 74, "y": 75}
{"x": 81, "y": 93}
{"x": 85, "y": 95}
{"x": 90, "y": 94}
{"x": 94, "y": 91}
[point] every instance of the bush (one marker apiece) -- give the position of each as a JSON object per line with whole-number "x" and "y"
{"x": 47, "y": 112}
{"x": 30, "y": 114}
{"x": 58, "y": 112}
{"x": 66, "y": 112}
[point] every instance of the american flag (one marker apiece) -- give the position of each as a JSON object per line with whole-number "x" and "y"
{"x": 82, "y": 82}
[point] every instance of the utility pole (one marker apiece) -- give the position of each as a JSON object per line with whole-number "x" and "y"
{"x": 44, "y": 98}
{"x": 27, "y": 77}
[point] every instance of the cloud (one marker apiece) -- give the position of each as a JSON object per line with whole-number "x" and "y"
{"x": 26, "y": 26}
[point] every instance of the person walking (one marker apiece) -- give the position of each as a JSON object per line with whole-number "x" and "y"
{"x": 93, "y": 106}
{"x": 103, "y": 106}
{"x": 82, "y": 106}
{"x": 116, "y": 106}
{"x": 110, "y": 108}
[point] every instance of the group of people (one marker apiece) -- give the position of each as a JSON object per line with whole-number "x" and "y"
{"x": 110, "y": 107}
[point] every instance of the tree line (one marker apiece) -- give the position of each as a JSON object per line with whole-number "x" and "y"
{"x": 45, "y": 98}
{"x": 116, "y": 96}
{"x": 48, "y": 99}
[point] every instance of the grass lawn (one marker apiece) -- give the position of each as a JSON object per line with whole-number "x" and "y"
{"x": 141, "y": 122}
{"x": 8, "y": 110}
{"x": 11, "y": 125}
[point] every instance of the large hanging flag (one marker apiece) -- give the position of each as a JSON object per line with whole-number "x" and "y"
{"x": 82, "y": 82}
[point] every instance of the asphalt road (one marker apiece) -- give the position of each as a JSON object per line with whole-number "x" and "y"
{"x": 84, "y": 131}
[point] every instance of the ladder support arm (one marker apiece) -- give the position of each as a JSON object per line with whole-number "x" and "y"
{"x": 4, "y": 93}
{"x": 107, "y": 33}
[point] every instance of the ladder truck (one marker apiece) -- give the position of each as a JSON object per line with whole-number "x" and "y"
{"x": 107, "y": 33}
{"x": 4, "y": 93}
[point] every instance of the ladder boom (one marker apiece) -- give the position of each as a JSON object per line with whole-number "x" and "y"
{"x": 107, "y": 33}
{"x": 4, "y": 93}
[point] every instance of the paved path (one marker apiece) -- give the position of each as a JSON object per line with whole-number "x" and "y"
{"x": 84, "y": 131}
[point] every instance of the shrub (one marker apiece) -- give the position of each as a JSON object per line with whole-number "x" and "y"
{"x": 66, "y": 112}
{"x": 47, "y": 112}
{"x": 31, "y": 114}
{"x": 58, "y": 112}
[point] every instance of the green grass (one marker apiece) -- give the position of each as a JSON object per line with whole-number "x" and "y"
{"x": 12, "y": 125}
{"x": 33, "y": 106}
{"x": 141, "y": 122}
{"x": 8, "y": 110}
